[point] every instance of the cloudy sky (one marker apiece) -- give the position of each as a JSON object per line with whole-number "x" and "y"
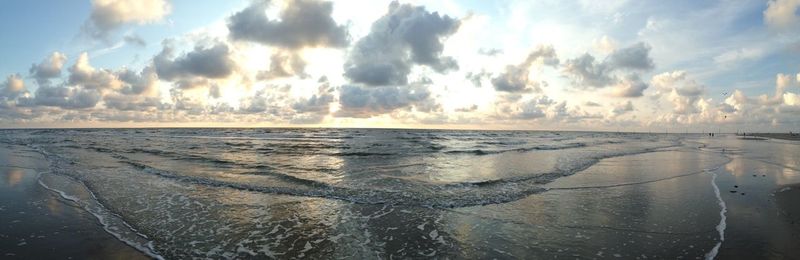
{"x": 551, "y": 64}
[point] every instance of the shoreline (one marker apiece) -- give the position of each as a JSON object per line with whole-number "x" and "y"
{"x": 39, "y": 224}
{"x": 781, "y": 136}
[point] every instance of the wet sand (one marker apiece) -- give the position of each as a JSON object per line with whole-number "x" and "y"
{"x": 37, "y": 224}
{"x": 787, "y": 198}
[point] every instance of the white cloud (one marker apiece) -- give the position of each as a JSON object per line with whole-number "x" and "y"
{"x": 782, "y": 14}
{"x": 604, "y": 44}
{"x": 108, "y": 15}
{"x": 48, "y": 69}
{"x": 743, "y": 54}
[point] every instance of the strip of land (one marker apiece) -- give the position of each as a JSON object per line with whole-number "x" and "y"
{"x": 783, "y": 136}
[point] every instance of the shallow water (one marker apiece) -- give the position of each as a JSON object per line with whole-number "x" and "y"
{"x": 374, "y": 193}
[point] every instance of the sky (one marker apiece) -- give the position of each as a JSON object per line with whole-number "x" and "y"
{"x": 617, "y": 65}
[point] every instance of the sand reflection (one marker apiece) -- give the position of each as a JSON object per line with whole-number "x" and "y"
{"x": 14, "y": 177}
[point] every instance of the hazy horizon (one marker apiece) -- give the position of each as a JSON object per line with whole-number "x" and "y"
{"x": 631, "y": 66}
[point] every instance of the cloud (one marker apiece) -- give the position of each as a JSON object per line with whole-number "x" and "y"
{"x": 303, "y": 23}
{"x": 604, "y": 44}
{"x": 591, "y": 104}
{"x": 363, "y": 102}
{"x": 108, "y": 15}
{"x": 631, "y": 86}
{"x": 634, "y": 57}
{"x": 405, "y": 36}
{"x": 133, "y": 103}
{"x": 191, "y": 83}
{"x": 270, "y": 100}
{"x": 623, "y": 108}
{"x": 784, "y": 82}
{"x": 212, "y": 62}
{"x": 663, "y": 83}
{"x": 782, "y": 14}
{"x": 284, "y": 64}
{"x": 515, "y": 78}
{"x": 47, "y": 69}
{"x": 533, "y": 108}
{"x": 83, "y": 74}
{"x": 318, "y": 103}
{"x": 144, "y": 82}
{"x": 66, "y": 97}
{"x": 490, "y": 52}
{"x": 742, "y": 54}
{"x": 477, "y": 78}
{"x": 134, "y": 39}
{"x": 586, "y": 71}
{"x": 467, "y": 109}
{"x": 313, "y": 109}
{"x": 12, "y": 87}
{"x": 683, "y": 93}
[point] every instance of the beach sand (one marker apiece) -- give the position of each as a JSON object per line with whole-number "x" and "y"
{"x": 38, "y": 224}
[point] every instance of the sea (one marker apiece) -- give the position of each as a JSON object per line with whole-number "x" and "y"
{"x": 389, "y": 193}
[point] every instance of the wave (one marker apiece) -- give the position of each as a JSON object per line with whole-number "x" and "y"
{"x": 522, "y": 149}
{"x": 361, "y": 154}
{"x": 450, "y": 195}
{"x": 112, "y": 223}
{"x": 409, "y": 192}
{"x": 721, "y": 226}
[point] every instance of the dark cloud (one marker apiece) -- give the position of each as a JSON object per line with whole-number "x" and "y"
{"x": 191, "y": 83}
{"x": 313, "y": 109}
{"x": 533, "y": 108}
{"x": 215, "y": 91}
{"x": 303, "y": 23}
{"x": 591, "y": 104}
{"x": 635, "y": 57}
{"x": 690, "y": 89}
{"x": 467, "y": 109}
{"x": 270, "y": 101}
{"x": 631, "y": 86}
{"x": 585, "y": 71}
{"x": 623, "y": 108}
{"x": 144, "y": 82}
{"x": 490, "y": 52}
{"x": 362, "y": 102}
{"x": 212, "y": 62}
{"x": 47, "y": 69}
{"x": 404, "y": 36}
{"x": 133, "y": 103}
{"x": 66, "y": 98}
{"x": 477, "y": 78}
{"x": 185, "y": 103}
{"x": 284, "y": 64}
{"x": 134, "y": 39}
{"x": 515, "y": 78}
{"x": 318, "y": 103}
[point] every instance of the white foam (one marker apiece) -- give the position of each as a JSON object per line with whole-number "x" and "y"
{"x": 721, "y": 226}
{"x": 147, "y": 249}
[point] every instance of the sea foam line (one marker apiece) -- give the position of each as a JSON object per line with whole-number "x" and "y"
{"x": 721, "y": 226}
{"x": 146, "y": 249}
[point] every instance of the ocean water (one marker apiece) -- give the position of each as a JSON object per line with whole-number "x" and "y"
{"x": 385, "y": 193}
